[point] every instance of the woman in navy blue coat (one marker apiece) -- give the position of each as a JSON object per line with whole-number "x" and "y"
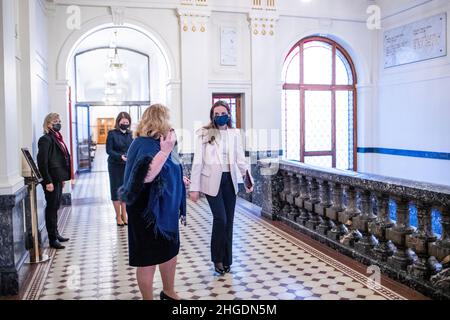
{"x": 155, "y": 195}
{"x": 117, "y": 145}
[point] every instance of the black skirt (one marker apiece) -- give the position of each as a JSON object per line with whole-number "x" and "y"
{"x": 116, "y": 176}
{"x": 144, "y": 247}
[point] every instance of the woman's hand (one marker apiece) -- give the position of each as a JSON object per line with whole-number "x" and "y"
{"x": 194, "y": 196}
{"x": 168, "y": 143}
{"x": 50, "y": 187}
{"x": 186, "y": 181}
{"x": 124, "y": 158}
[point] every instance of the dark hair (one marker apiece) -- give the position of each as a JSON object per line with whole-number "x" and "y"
{"x": 211, "y": 127}
{"x": 212, "y": 124}
{"x": 122, "y": 115}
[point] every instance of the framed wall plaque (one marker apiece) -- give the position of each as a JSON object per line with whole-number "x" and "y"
{"x": 228, "y": 46}
{"x": 418, "y": 41}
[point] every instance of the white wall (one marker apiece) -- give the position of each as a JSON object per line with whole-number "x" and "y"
{"x": 413, "y": 109}
{"x": 384, "y": 97}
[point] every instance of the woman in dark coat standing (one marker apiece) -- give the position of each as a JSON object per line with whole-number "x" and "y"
{"x": 54, "y": 164}
{"x": 156, "y": 199}
{"x": 117, "y": 145}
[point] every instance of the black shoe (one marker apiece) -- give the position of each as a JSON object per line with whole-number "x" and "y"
{"x": 164, "y": 296}
{"x": 62, "y": 239}
{"x": 227, "y": 269}
{"x": 56, "y": 245}
{"x": 219, "y": 269}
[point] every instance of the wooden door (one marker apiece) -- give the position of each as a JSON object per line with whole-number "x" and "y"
{"x": 104, "y": 125}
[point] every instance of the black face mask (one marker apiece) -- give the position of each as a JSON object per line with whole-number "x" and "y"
{"x": 57, "y": 127}
{"x": 124, "y": 127}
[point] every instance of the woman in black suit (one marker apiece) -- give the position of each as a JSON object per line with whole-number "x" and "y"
{"x": 54, "y": 164}
{"x": 117, "y": 145}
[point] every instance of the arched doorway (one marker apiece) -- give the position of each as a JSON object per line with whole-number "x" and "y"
{"x": 112, "y": 70}
{"x": 319, "y": 104}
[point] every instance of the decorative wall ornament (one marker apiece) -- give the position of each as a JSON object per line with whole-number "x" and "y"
{"x": 193, "y": 20}
{"x": 118, "y": 15}
{"x": 194, "y": 2}
{"x": 263, "y": 23}
{"x": 264, "y": 4}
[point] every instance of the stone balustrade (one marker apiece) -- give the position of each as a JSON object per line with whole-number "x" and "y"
{"x": 352, "y": 213}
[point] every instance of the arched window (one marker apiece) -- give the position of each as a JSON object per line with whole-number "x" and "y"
{"x": 319, "y": 105}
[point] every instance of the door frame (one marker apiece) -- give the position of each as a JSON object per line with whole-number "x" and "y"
{"x": 77, "y": 106}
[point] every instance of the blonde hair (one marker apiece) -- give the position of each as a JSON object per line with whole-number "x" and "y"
{"x": 155, "y": 122}
{"x": 48, "y": 120}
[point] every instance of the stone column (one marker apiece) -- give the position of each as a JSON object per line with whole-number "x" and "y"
{"x": 195, "y": 57}
{"x": 419, "y": 240}
{"x": 292, "y": 195}
{"x": 385, "y": 248}
{"x": 441, "y": 248}
{"x": 310, "y": 204}
{"x": 12, "y": 189}
{"x": 271, "y": 182}
{"x": 338, "y": 229}
{"x": 361, "y": 222}
{"x": 325, "y": 203}
{"x": 347, "y": 217}
{"x": 300, "y": 201}
{"x": 398, "y": 233}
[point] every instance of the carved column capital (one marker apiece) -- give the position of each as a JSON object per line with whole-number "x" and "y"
{"x": 193, "y": 19}
{"x": 263, "y": 23}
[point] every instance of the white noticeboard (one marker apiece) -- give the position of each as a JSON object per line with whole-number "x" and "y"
{"x": 228, "y": 46}
{"x": 421, "y": 40}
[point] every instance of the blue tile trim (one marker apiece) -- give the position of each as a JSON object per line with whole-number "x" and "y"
{"x": 407, "y": 153}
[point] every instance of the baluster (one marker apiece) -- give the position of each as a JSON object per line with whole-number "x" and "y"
{"x": 397, "y": 234}
{"x": 424, "y": 266}
{"x": 385, "y": 248}
{"x": 290, "y": 197}
{"x": 286, "y": 208}
{"x": 361, "y": 222}
{"x": 347, "y": 217}
{"x": 441, "y": 248}
{"x": 310, "y": 204}
{"x": 325, "y": 203}
{"x": 301, "y": 199}
{"x": 339, "y": 229}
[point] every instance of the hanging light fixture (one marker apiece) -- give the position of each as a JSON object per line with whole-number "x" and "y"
{"x": 116, "y": 75}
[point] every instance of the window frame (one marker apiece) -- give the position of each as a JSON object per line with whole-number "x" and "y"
{"x": 333, "y": 88}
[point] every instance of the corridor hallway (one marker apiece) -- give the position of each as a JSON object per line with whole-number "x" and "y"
{"x": 269, "y": 263}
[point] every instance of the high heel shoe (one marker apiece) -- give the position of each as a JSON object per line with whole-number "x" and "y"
{"x": 164, "y": 296}
{"x": 227, "y": 269}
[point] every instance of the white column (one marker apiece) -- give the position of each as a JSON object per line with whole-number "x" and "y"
{"x": 195, "y": 100}
{"x": 60, "y": 104}
{"x": 10, "y": 163}
{"x": 266, "y": 96}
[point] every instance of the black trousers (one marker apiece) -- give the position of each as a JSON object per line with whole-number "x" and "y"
{"x": 53, "y": 200}
{"x": 222, "y": 207}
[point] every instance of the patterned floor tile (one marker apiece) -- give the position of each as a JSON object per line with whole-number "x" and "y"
{"x": 268, "y": 264}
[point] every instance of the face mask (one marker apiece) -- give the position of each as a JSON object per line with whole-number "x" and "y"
{"x": 124, "y": 127}
{"x": 221, "y": 120}
{"x": 57, "y": 127}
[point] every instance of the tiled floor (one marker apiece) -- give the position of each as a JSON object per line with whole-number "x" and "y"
{"x": 269, "y": 263}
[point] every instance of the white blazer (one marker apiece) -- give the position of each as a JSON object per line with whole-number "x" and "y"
{"x": 206, "y": 173}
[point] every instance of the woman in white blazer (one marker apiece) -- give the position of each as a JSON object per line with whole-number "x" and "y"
{"x": 219, "y": 166}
